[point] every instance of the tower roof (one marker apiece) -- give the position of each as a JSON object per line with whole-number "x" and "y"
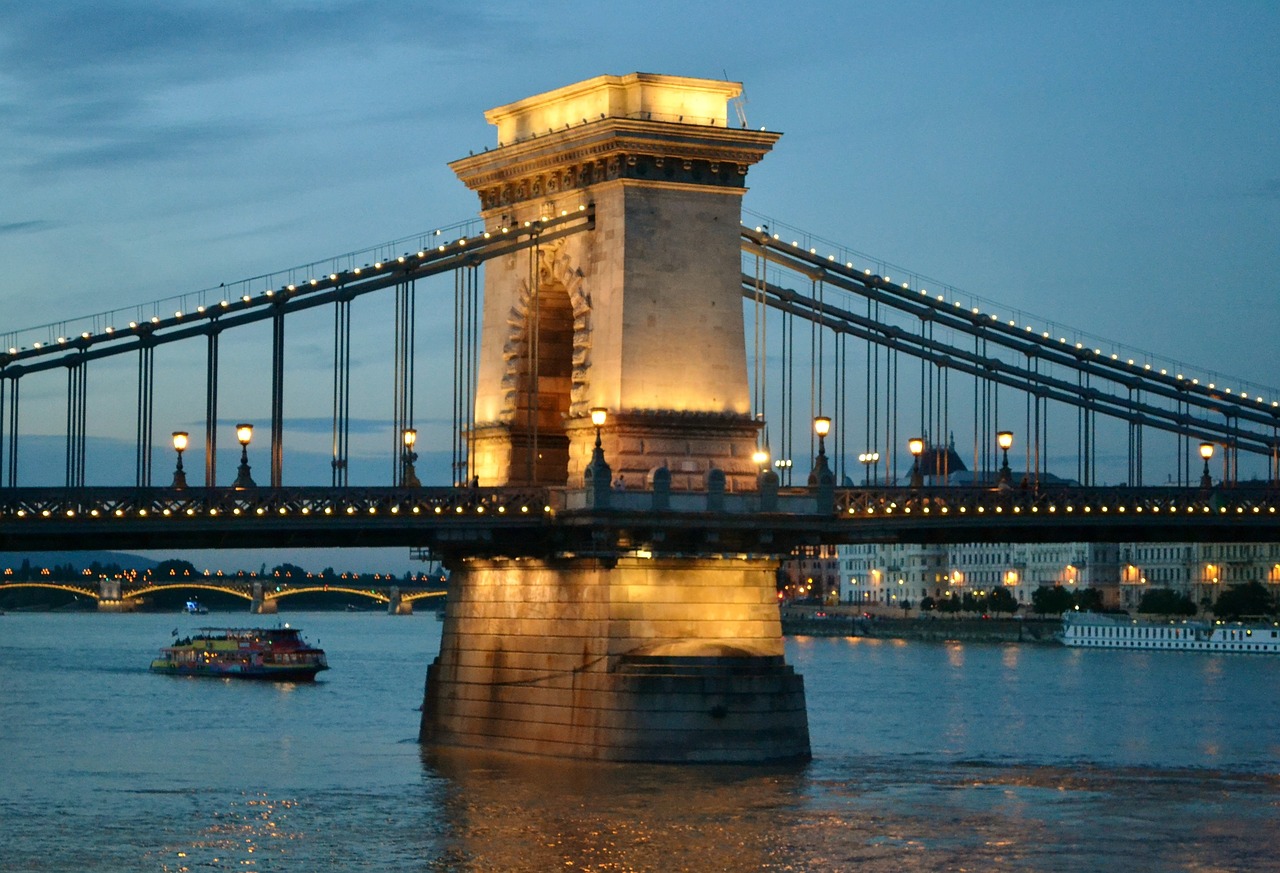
{"x": 648, "y": 96}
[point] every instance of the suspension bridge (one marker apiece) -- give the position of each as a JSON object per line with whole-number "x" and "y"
{"x": 652, "y": 404}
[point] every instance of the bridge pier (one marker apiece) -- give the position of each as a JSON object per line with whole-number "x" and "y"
{"x": 627, "y": 659}
{"x": 602, "y": 653}
{"x": 109, "y": 597}
{"x": 398, "y": 606}
{"x": 260, "y": 605}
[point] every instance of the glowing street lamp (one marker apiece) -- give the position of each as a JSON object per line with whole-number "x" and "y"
{"x": 244, "y": 434}
{"x": 915, "y": 446}
{"x": 821, "y": 474}
{"x": 179, "y": 446}
{"x": 760, "y": 457}
{"x": 598, "y": 417}
{"x": 822, "y": 427}
{"x": 408, "y": 477}
{"x": 1004, "y": 439}
{"x": 598, "y": 477}
{"x": 1206, "y": 452}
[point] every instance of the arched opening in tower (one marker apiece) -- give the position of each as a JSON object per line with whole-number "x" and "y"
{"x": 540, "y": 445}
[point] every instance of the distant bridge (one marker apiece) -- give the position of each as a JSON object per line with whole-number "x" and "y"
{"x": 260, "y": 595}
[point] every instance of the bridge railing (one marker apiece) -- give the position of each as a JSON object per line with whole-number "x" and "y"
{"x": 442, "y": 503}
{"x": 140, "y": 503}
{"x": 1117, "y": 501}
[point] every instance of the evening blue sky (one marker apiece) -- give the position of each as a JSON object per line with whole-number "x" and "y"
{"x": 1110, "y": 166}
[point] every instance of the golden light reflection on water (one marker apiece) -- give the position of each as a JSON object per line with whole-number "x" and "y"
{"x": 508, "y": 813}
{"x": 246, "y": 835}
{"x": 503, "y": 813}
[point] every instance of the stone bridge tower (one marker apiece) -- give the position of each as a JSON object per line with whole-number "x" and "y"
{"x": 643, "y": 316}
{"x": 617, "y": 652}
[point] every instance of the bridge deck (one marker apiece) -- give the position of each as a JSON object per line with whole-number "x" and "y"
{"x": 545, "y": 521}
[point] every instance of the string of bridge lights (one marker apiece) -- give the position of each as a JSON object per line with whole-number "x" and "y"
{"x": 1044, "y": 337}
{"x": 333, "y": 279}
{"x": 235, "y": 511}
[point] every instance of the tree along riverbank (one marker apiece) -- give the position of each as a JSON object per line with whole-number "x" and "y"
{"x": 931, "y": 628}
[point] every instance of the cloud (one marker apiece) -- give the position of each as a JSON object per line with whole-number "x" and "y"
{"x": 90, "y": 85}
{"x": 1268, "y": 189}
{"x": 33, "y": 226}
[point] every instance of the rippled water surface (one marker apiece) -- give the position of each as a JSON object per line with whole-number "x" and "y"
{"x": 926, "y": 757}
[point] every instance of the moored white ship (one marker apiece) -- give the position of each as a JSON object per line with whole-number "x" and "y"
{"x": 1094, "y": 630}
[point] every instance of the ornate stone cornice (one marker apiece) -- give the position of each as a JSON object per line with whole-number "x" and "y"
{"x": 609, "y": 149}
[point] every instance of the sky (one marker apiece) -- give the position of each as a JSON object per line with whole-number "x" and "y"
{"x": 1109, "y": 166}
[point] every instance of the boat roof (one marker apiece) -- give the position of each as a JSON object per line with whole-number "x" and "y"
{"x": 250, "y": 630}
{"x": 1102, "y": 618}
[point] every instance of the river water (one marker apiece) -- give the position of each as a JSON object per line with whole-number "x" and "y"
{"x": 927, "y": 757}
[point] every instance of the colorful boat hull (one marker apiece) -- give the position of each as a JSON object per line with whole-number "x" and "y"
{"x": 279, "y": 654}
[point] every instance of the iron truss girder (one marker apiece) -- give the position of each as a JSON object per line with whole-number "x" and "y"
{"x": 1235, "y": 409}
{"x": 345, "y": 285}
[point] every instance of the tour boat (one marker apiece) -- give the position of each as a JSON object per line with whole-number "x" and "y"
{"x": 243, "y": 653}
{"x": 1093, "y": 630}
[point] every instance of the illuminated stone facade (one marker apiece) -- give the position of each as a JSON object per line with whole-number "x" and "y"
{"x": 616, "y": 655}
{"x": 641, "y": 316}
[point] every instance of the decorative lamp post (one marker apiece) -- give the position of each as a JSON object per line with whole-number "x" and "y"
{"x": 822, "y": 427}
{"x": 179, "y": 446}
{"x": 868, "y": 460}
{"x": 244, "y": 434}
{"x": 1206, "y": 452}
{"x": 598, "y": 417}
{"x": 408, "y": 477}
{"x": 1004, "y": 439}
{"x": 821, "y": 474}
{"x": 915, "y": 446}
{"x": 598, "y": 477}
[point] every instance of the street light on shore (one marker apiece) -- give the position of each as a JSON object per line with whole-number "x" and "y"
{"x": 1206, "y": 452}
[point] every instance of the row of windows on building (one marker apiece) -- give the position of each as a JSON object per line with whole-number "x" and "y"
{"x": 888, "y": 573}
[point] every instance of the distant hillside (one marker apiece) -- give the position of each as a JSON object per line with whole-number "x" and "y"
{"x": 79, "y": 559}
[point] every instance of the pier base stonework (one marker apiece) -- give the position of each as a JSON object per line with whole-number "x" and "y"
{"x": 670, "y": 659}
